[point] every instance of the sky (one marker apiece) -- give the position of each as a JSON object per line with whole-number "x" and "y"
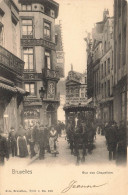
{"x": 77, "y": 18}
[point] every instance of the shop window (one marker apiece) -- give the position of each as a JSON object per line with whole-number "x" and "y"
{"x": 27, "y": 28}
{"x": 48, "y": 59}
{"x": 30, "y": 87}
{"x": 47, "y": 30}
{"x": 28, "y": 59}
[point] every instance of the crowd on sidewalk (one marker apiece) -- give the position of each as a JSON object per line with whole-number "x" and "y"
{"x": 28, "y": 142}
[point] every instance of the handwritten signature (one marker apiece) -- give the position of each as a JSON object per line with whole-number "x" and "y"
{"x": 73, "y": 184}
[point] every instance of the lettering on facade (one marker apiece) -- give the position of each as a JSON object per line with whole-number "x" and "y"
{"x": 37, "y": 42}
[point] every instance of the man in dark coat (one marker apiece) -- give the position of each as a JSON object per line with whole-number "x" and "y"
{"x": 111, "y": 136}
{"x": 121, "y": 144}
{"x": 79, "y": 144}
{"x": 31, "y": 142}
{"x": 12, "y": 138}
{"x": 70, "y": 135}
{"x": 41, "y": 142}
{"x": 4, "y": 153}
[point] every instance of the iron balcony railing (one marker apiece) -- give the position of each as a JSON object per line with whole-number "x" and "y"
{"x": 50, "y": 74}
{"x": 10, "y": 61}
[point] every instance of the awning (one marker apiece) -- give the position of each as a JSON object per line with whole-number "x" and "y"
{"x": 7, "y": 87}
{"x": 74, "y": 108}
{"x": 22, "y": 91}
{"x": 14, "y": 89}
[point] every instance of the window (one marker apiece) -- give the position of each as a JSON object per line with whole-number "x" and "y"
{"x": 47, "y": 30}
{"x": 30, "y": 87}
{"x": 119, "y": 50}
{"x": 26, "y": 7}
{"x": 124, "y": 46}
{"x": 102, "y": 71}
{"x": 105, "y": 47}
{"x": 27, "y": 28}
{"x": 14, "y": 38}
{"x": 108, "y": 87}
{"x": 108, "y": 65}
{"x": 102, "y": 90}
{"x": 28, "y": 59}
{"x": 105, "y": 89}
{"x": 105, "y": 68}
{"x": 1, "y": 34}
{"x": 48, "y": 59}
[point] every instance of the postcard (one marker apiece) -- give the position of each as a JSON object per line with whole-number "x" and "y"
{"x": 63, "y": 97}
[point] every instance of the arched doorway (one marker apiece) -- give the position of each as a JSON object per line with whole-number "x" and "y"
{"x": 51, "y": 115}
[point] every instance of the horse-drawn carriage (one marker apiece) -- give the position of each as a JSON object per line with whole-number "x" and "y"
{"x": 80, "y": 130}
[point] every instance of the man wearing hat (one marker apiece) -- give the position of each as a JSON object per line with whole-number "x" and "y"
{"x": 41, "y": 141}
{"x": 3, "y": 148}
{"x": 13, "y": 141}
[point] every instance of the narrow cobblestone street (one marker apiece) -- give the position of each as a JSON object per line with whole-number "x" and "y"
{"x": 99, "y": 155}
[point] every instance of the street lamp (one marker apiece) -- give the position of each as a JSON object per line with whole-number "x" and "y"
{"x": 41, "y": 92}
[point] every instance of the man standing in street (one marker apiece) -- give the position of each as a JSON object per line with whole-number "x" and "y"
{"x": 13, "y": 141}
{"x": 111, "y": 137}
{"x": 41, "y": 142}
{"x": 3, "y": 148}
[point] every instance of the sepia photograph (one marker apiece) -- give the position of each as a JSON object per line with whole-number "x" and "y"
{"x": 63, "y": 97}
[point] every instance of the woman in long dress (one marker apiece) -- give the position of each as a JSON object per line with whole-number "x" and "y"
{"x": 22, "y": 149}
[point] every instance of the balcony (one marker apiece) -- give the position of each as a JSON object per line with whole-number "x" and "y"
{"x": 11, "y": 62}
{"x": 50, "y": 74}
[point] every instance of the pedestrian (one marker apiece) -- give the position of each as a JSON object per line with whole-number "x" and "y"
{"x": 12, "y": 138}
{"x": 4, "y": 153}
{"x": 41, "y": 141}
{"x": 70, "y": 136}
{"x": 52, "y": 140}
{"x": 31, "y": 142}
{"x": 121, "y": 144}
{"x": 111, "y": 136}
{"x": 79, "y": 144}
{"x": 46, "y": 134}
{"x": 22, "y": 149}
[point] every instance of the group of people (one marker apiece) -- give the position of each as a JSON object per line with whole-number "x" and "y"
{"x": 36, "y": 139}
{"x": 116, "y": 141}
{"x": 81, "y": 138}
{"x": 15, "y": 143}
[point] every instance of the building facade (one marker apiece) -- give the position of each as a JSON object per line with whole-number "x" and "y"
{"x": 100, "y": 54}
{"x": 76, "y": 96}
{"x": 120, "y": 60}
{"x": 37, "y": 21}
{"x": 106, "y": 69}
{"x": 60, "y": 60}
{"x": 11, "y": 68}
